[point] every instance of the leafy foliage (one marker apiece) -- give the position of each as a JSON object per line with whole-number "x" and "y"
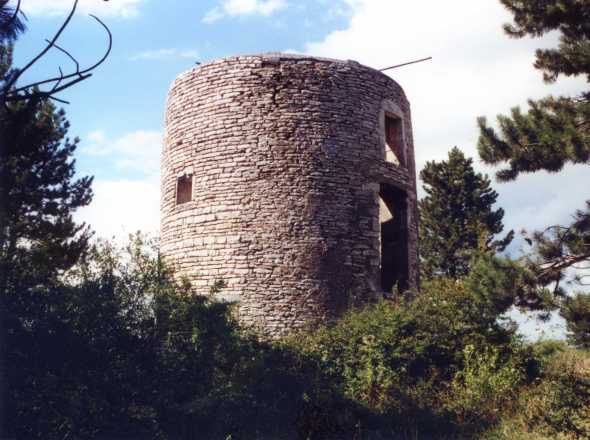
{"x": 555, "y": 405}
{"x": 561, "y": 248}
{"x": 560, "y": 403}
{"x": 39, "y": 240}
{"x": 38, "y": 236}
{"x": 457, "y": 217}
{"x": 570, "y": 18}
{"x": 485, "y": 384}
{"x": 501, "y": 283}
{"x": 576, "y": 312}
{"x": 11, "y": 23}
{"x": 554, "y": 131}
{"x": 11, "y": 26}
{"x": 401, "y": 359}
{"x": 118, "y": 348}
{"x": 78, "y": 355}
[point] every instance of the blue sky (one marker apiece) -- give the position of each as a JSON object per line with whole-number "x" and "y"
{"x": 119, "y": 113}
{"x": 154, "y": 42}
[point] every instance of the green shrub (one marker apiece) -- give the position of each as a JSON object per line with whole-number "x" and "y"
{"x": 544, "y": 350}
{"x": 576, "y": 312}
{"x": 120, "y": 348}
{"x": 486, "y": 384}
{"x": 406, "y": 360}
{"x": 560, "y": 402}
{"x": 556, "y": 406}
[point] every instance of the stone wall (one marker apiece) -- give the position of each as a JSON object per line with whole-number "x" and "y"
{"x": 287, "y": 155}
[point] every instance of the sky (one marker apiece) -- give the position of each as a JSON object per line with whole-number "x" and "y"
{"x": 118, "y": 114}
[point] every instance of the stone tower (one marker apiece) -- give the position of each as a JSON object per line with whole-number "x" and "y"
{"x": 292, "y": 179}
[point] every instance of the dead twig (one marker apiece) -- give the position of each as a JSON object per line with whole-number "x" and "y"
{"x": 11, "y": 93}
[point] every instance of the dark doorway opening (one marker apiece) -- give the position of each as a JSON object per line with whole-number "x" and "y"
{"x": 393, "y": 212}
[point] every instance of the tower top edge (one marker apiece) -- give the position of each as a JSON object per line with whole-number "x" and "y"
{"x": 278, "y": 57}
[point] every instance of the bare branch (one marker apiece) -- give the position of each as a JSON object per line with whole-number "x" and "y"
{"x": 109, "y": 48}
{"x": 71, "y": 83}
{"x": 48, "y": 94}
{"x": 557, "y": 228}
{"x": 63, "y": 101}
{"x": 40, "y": 55}
{"x": 25, "y": 92}
{"x": 58, "y": 82}
{"x": 564, "y": 263}
{"x": 68, "y": 54}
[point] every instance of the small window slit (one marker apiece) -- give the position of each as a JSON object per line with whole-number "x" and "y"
{"x": 394, "y": 151}
{"x": 184, "y": 189}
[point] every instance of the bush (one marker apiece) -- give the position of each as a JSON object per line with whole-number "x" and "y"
{"x": 119, "y": 348}
{"x": 545, "y": 350}
{"x": 485, "y": 385}
{"x": 422, "y": 363}
{"x": 576, "y": 312}
{"x": 556, "y": 405}
{"x": 560, "y": 402}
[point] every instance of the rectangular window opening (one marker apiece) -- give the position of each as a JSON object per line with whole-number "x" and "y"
{"x": 394, "y": 152}
{"x": 393, "y": 211}
{"x": 184, "y": 189}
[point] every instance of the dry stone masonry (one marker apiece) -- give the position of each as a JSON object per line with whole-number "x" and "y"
{"x": 292, "y": 179}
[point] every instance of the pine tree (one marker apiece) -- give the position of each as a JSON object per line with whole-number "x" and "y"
{"x": 555, "y": 130}
{"x": 11, "y": 23}
{"x": 456, "y": 216}
{"x": 38, "y": 236}
{"x": 576, "y": 311}
{"x": 39, "y": 239}
{"x": 11, "y": 26}
{"x": 43, "y": 333}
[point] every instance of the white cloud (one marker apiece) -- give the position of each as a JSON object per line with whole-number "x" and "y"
{"x": 123, "y": 206}
{"x": 160, "y": 54}
{"x": 535, "y": 201}
{"x": 234, "y": 8}
{"x": 96, "y": 137}
{"x": 119, "y": 8}
{"x": 476, "y": 70}
{"x": 244, "y": 7}
{"x": 136, "y": 151}
{"x": 212, "y": 16}
{"x": 532, "y": 328}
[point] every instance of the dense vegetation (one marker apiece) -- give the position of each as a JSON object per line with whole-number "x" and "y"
{"x": 116, "y": 349}
{"x": 101, "y": 342}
